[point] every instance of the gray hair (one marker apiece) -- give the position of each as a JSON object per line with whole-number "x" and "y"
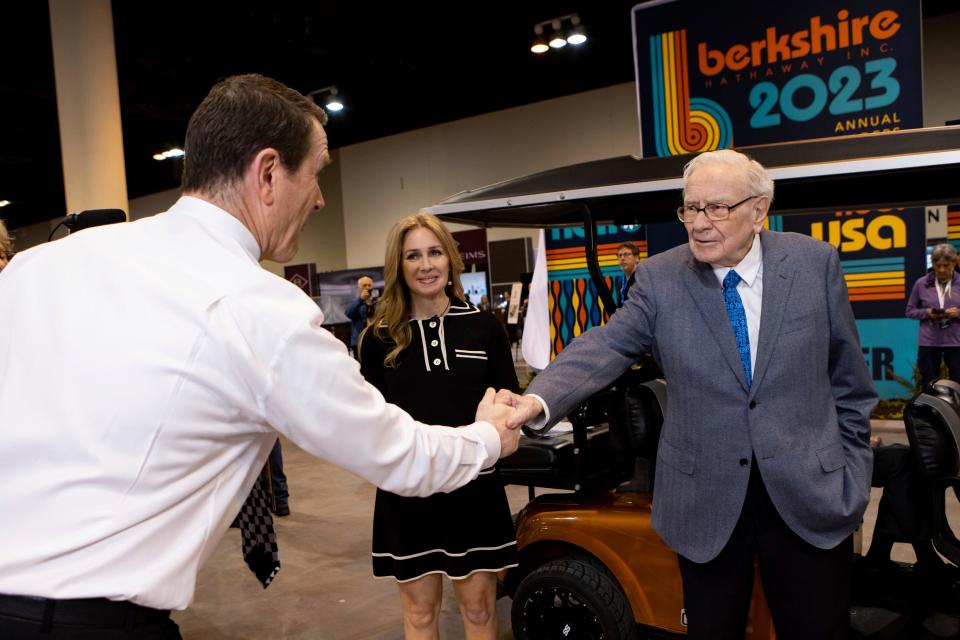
{"x": 944, "y": 250}
{"x": 760, "y": 183}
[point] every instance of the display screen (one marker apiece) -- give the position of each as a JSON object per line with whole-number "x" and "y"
{"x": 474, "y": 285}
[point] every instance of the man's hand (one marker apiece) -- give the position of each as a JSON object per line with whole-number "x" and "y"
{"x": 527, "y": 408}
{"x": 499, "y": 415}
{"x": 365, "y": 295}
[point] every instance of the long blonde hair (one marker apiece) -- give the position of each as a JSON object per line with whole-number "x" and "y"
{"x": 391, "y": 322}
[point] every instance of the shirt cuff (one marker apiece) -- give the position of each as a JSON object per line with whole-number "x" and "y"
{"x": 544, "y": 419}
{"x": 489, "y": 437}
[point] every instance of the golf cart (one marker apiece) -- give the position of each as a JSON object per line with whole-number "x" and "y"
{"x": 590, "y": 563}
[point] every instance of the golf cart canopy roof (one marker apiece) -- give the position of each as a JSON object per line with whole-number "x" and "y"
{"x": 895, "y": 169}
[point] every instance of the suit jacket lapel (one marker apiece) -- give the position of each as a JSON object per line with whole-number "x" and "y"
{"x": 777, "y": 281}
{"x": 705, "y": 291}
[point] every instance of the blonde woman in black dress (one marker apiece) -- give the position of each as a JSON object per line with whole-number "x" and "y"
{"x": 434, "y": 354}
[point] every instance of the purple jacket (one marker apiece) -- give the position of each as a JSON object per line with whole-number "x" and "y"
{"x": 923, "y": 297}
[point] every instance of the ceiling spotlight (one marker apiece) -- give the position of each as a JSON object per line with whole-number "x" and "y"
{"x": 557, "y": 40}
{"x": 333, "y": 102}
{"x": 4, "y": 203}
{"x": 575, "y": 36}
{"x": 539, "y": 42}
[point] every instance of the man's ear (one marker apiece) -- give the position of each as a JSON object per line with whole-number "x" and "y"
{"x": 760, "y": 211}
{"x": 265, "y": 170}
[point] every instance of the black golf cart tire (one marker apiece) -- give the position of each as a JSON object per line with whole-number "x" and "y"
{"x": 590, "y": 582}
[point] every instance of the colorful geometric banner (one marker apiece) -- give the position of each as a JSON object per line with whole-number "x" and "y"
{"x": 572, "y": 299}
{"x": 882, "y": 253}
{"x": 953, "y": 225}
{"x": 711, "y": 78}
{"x": 889, "y": 343}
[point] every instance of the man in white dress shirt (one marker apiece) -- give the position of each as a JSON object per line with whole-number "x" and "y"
{"x": 147, "y": 368}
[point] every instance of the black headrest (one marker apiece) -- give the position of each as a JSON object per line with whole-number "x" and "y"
{"x": 933, "y": 428}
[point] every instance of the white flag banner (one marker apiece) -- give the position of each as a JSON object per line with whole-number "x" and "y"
{"x": 536, "y": 328}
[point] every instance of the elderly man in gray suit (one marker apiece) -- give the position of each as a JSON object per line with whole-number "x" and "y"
{"x": 765, "y": 449}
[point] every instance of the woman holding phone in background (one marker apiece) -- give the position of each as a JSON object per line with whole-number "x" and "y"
{"x": 933, "y": 301}
{"x": 434, "y": 354}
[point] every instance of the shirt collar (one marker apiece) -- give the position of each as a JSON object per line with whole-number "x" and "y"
{"x": 748, "y": 268}
{"x": 221, "y": 222}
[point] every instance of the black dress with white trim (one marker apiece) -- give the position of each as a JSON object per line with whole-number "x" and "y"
{"x": 439, "y": 379}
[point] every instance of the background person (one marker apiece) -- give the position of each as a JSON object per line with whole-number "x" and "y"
{"x": 628, "y": 255}
{"x": 360, "y": 310}
{"x": 433, "y": 353}
{"x": 150, "y": 367}
{"x": 765, "y": 444}
{"x": 933, "y": 301}
{"x": 6, "y": 246}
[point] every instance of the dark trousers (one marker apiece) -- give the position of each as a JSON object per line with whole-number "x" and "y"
{"x": 904, "y": 511}
{"x": 928, "y": 361}
{"x": 278, "y": 478}
{"x": 808, "y": 589}
{"x": 95, "y": 619}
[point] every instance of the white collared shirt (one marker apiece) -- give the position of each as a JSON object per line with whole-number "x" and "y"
{"x": 145, "y": 370}
{"x": 750, "y": 270}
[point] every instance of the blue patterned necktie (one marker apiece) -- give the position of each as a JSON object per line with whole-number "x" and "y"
{"x": 738, "y": 320}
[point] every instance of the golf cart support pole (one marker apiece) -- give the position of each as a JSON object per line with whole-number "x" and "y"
{"x": 593, "y": 261}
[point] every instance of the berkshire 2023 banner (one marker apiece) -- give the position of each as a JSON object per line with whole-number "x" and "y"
{"x": 722, "y": 74}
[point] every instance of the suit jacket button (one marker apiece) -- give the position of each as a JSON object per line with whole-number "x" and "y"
{"x": 744, "y": 462}
{"x": 753, "y": 404}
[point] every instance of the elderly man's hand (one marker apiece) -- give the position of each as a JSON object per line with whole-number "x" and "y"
{"x": 527, "y": 408}
{"x": 500, "y": 416}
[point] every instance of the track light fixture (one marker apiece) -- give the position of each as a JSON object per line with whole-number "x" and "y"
{"x": 563, "y": 30}
{"x": 332, "y": 103}
{"x": 175, "y": 152}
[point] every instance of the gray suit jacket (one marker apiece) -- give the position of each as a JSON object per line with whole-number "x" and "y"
{"x": 805, "y": 418}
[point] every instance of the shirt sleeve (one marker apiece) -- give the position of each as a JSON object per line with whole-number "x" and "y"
{"x": 317, "y": 397}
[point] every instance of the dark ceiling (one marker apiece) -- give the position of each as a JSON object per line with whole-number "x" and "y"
{"x": 399, "y": 66}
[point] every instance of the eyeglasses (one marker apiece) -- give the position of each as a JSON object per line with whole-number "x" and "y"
{"x": 713, "y": 210}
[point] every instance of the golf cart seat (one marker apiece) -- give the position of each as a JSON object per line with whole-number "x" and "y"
{"x": 932, "y": 420}
{"x": 610, "y": 432}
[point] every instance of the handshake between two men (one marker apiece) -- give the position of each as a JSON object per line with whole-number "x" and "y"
{"x": 507, "y": 412}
